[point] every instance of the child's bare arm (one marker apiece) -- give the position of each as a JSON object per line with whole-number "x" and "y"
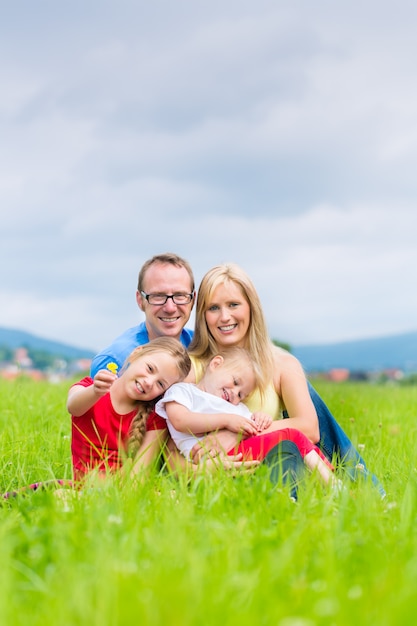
{"x": 81, "y": 399}
{"x": 185, "y": 421}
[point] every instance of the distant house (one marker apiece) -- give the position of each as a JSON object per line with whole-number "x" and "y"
{"x": 22, "y": 359}
{"x": 81, "y": 365}
{"x": 393, "y": 374}
{"x": 11, "y": 371}
{"x": 338, "y": 375}
{"x": 22, "y": 365}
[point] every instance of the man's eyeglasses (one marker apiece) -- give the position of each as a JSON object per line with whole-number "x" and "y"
{"x": 161, "y": 298}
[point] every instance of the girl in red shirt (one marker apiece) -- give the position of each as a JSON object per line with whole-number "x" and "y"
{"x": 109, "y": 413}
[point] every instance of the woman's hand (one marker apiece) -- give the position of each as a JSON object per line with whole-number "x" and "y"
{"x": 241, "y": 425}
{"x": 261, "y": 420}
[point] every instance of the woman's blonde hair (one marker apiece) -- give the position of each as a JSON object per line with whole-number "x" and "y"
{"x": 162, "y": 344}
{"x": 257, "y": 341}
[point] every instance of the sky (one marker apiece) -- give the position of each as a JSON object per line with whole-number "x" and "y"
{"x": 278, "y": 135}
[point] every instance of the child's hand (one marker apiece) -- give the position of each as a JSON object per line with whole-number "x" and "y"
{"x": 103, "y": 380}
{"x": 261, "y": 420}
{"x": 239, "y": 424}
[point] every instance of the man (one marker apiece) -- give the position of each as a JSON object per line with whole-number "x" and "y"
{"x": 166, "y": 295}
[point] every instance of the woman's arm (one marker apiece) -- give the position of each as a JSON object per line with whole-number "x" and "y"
{"x": 291, "y": 385}
{"x": 186, "y": 421}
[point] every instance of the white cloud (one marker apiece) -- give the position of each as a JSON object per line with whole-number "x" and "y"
{"x": 279, "y": 136}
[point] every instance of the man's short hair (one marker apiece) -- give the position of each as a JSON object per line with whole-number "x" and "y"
{"x": 167, "y": 258}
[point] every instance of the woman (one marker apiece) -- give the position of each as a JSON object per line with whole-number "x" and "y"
{"x": 229, "y": 313}
{"x": 217, "y": 402}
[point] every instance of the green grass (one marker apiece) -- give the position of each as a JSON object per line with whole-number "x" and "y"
{"x": 219, "y": 551}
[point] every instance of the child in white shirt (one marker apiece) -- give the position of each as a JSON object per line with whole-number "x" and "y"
{"x": 216, "y": 402}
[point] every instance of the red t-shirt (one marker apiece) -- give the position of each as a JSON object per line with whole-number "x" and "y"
{"x": 100, "y": 434}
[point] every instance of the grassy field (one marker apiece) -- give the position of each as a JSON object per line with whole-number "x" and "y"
{"x": 219, "y": 551}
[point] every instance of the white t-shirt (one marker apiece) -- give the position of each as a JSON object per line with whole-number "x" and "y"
{"x": 197, "y": 401}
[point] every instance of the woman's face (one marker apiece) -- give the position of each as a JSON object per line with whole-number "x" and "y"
{"x": 228, "y": 315}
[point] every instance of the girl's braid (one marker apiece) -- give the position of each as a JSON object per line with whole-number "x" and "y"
{"x": 138, "y": 428}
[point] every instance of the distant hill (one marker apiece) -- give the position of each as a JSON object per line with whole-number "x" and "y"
{"x": 365, "y": 355}
{"x": 370, "y": 355}
{"x": 12, "y": 338}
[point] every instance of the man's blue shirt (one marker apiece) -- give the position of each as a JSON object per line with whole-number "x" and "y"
{"x": 114, "y": 356}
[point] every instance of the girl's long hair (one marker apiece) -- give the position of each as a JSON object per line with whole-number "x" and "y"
{"x": 257, "y": 342}
{"x": 162, "y": 344}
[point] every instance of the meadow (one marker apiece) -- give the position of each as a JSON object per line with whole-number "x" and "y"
{"x": 220, "y": 550}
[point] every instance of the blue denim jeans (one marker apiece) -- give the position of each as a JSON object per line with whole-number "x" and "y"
{"x": 334, "y": 441}
{"x": 286, "y": 464}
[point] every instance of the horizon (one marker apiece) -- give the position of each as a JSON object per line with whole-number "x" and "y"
{"x": 295, "y": 345}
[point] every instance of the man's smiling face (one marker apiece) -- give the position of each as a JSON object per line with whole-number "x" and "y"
{"x": 170, "y": 318}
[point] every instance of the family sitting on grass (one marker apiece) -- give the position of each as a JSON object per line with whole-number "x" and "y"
{"x": 224, "y": 395}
